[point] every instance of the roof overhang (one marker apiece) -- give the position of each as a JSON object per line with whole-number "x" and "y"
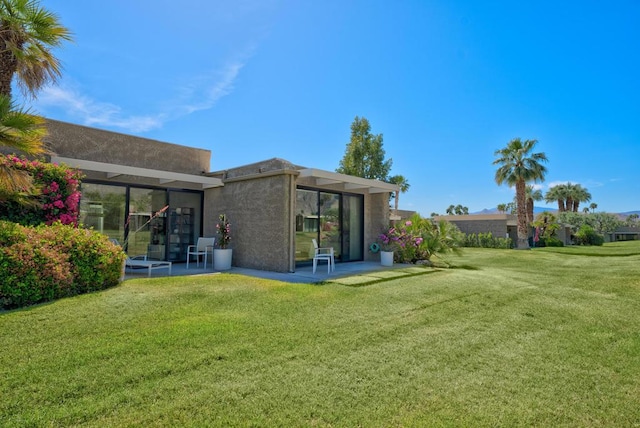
{"x": 113, "y": 170}
{"x": 347, "y": 182}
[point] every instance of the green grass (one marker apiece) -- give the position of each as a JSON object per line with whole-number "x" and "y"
{"x": 510, "y": 338}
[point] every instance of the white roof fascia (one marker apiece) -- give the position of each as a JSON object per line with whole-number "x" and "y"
{"x": 349, "y": 181}
{"x": 113, "y": 170}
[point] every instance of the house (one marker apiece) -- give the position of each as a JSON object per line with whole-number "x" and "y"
{"x": 500, "y": 225}
{"x": 623, "y": 233}
{"x": 160, "y": 197}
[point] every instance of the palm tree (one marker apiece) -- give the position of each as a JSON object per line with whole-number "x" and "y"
{"x": 22, "y": 131}
{"x": 532, "y": 195}
{"x": 502, "y": 208}
{"x": 518, "y": 166}
{"x": 403, "y": 185}
{"x": 557, "y": 193}
{"x": 578, "y": 194}
{"x": 593, "y": 207}
{"x": 28, "y": 32}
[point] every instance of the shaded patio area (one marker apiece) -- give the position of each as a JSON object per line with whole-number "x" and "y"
{"x": 302, "y": 274}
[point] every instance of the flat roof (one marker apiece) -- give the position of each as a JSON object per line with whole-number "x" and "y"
{"x": 163, "y": 177}
{"x": 348, "y": 182}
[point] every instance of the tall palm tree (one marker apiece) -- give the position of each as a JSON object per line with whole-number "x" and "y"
{"x": 532, "y": 195}
{"x": 22, "y": 131}
{"x": 28, "y": 32}
{"x": 579, "y": 194}
{"x": 557, "y": 194}
{"x": 403, "y": 185}
{"x": 518, "y": 166}
{"x": 593, "y": 207}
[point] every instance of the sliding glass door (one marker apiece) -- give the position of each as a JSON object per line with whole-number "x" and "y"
{"x": 333, "y": 219}
{"x": 153, "y": 222}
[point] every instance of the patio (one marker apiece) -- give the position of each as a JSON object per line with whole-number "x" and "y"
{"x": 302, "y": 274}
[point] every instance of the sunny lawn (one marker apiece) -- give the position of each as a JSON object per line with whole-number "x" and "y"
{"x": 549, "y": 337}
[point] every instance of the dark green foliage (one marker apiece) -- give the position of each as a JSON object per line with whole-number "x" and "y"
{"x": 364, "y": 155}
{"x": 44, "y": 263}
{"x": 588, "y": 236}
{"x": 552, "y": 242}
{"x": 486, "y": 240}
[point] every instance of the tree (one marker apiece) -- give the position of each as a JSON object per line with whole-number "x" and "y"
{"x": 364, "y": 155}
{"x": 461, "y": 210}
{"x": 28, "y": 32}
{"x": 601, "y": 222}
{"x": 593, "y": 207}
{"x": 532, "y": 195}
{"x": 450, "y": 210}
{"x": 557, "y": 194}
{"x": 569, "y": 196}
{"x": 22, "y": 131}
{"x": 403, "y": 185}
{"x": 518, "y": 166}
{"x": 578, "y": 194}
{"x": 502, "y": 208}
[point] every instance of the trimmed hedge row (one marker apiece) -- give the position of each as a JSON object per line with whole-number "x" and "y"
{"x": 44, "y": 263}
{"x": 486, "y": 240}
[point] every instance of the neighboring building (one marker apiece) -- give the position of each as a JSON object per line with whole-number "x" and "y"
{"x": 500, "y": 225}
{"x": 623, "y": 233}
{"x": 158, "y": 198}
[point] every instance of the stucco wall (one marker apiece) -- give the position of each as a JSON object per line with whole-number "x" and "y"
{"x": 258, "y": 208}
{"x": 376, "y": 220}
{"x": 81, "y": 142}
{"x": 498, "y": 228}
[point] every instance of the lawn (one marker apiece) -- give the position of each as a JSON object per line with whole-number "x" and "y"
{"x": 505, "y": 338}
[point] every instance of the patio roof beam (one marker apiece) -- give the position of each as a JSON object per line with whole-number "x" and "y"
{"x": 113, "y": 170}
{"x": 349, "y": 181}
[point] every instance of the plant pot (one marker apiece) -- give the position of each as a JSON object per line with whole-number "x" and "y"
{"x": 386, "y": 258}
{"x": 222, "y": 258}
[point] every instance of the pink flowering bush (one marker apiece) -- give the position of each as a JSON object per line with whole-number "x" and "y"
{"x": 58, "y": 198}
{"x": 44, "y": 263}
{"x": 418, "y": 239}
{"x": 224, "y": 231}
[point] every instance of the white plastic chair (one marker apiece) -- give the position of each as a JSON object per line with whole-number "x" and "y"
{"x": 203, "y": 247}
{"x": 323, "y": 254}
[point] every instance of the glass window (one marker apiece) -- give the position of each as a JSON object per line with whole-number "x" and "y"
{"x": 147, "y": 223}
{"x": 306, "y": 223}
{"x": 334, "y": 219}
{"x": 102, "y": 208}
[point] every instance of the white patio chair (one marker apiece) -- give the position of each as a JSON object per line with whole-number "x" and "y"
{"x": 323, "y": 254}
{"x": 203, "y": 247}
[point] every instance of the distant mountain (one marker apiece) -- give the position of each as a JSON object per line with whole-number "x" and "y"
{"x": 536, "y": 210}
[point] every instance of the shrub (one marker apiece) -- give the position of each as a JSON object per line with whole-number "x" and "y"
{"x": 486, "y": 240}
{"x": 419, "y": 239}
{"x": 588, "y": 236}
{"x": 552, "y": 242}
{"x": 58, "y": 199}
{"x": 44, "y": 263}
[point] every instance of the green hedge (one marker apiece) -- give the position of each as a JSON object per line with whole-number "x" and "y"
{"x": 44, "y": 263}
{"x": 486, "y": 240}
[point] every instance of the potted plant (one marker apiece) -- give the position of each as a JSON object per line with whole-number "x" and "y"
{"x": 388, "y": 243}
{"x": 222, "y": 255}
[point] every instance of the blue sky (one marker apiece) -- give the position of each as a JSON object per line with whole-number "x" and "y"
{"x": 446, "y": 82}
